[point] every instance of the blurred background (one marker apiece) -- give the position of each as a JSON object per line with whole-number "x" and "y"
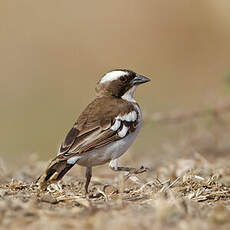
{"x": 53, "y": 53}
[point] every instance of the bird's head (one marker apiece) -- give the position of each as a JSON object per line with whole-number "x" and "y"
{"x": 120, "y": 83}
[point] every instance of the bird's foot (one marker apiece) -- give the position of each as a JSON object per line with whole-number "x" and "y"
{"x": 142, "y": 169}
{"x": 131, "y": 170}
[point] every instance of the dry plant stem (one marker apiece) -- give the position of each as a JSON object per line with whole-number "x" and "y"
{"x": 195, "y": 196}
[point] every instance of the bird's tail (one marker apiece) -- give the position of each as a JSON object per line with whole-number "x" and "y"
{"x": 55, "y": 171}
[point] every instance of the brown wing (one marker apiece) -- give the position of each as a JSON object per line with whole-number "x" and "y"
{"x": 102, "y": 122}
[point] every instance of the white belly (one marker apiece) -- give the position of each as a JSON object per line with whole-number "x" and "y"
{"x": 110, "y": 152}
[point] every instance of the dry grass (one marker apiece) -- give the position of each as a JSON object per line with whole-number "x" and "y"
{"x": 188, "y": 190}
{"x": 182, "y": 194}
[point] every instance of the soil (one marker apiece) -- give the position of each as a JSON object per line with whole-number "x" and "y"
{"x": 182, "y": 194}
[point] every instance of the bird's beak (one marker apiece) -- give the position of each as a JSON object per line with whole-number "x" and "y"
{"x": 140, "y": 80}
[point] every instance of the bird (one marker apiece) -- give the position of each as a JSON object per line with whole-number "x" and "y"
{"x": 104, "y": 130}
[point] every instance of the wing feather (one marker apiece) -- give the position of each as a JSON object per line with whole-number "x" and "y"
{"x": 92, "y": 130}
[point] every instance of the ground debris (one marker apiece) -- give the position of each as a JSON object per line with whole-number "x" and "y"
{"x": 48, "y": 198}
{"x": 180, "y": 190}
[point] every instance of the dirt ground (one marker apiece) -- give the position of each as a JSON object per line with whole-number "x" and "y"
{"x": 182, "y": 194}
{"x": 190, "y": 191}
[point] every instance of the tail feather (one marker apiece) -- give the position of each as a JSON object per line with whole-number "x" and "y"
{"x": 64, "y": 171}
{"x": 54, "y": 172}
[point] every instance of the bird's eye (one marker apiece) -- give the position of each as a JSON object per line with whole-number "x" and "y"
{"x": 122, "y": 78}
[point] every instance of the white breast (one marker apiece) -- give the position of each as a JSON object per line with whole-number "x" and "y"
{"x": 113, "y": 150}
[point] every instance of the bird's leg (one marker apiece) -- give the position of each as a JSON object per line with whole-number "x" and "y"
{"x": 113, "y": 164}
{"x": 88, "y": 174}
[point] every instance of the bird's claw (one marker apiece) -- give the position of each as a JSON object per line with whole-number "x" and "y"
{"x": 142, "y": 169}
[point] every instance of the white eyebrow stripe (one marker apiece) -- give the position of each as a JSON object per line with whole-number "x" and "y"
{"x": 114, "y": 75}
{"x": 116, "y": 125}
{"x": 123, "y": 131}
